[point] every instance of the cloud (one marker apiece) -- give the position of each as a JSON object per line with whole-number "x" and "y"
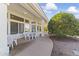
{"x": 72, "y": 9}
{"x": 48, "y": 12}
{"x": 49, "y": 7}
{"x": 77, "y": 16}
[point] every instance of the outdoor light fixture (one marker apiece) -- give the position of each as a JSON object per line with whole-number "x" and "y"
{"x": 25, "y": 13}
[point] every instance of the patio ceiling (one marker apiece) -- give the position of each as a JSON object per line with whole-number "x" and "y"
{"x": 36, "y": 10}
{"x": 19, "y": 9}
{"x": 33, "y": 9}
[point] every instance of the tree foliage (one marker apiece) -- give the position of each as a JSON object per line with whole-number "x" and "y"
{"x": 63, "y": 24}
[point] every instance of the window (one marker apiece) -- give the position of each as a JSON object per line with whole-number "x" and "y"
{"x": 27, "y": 27}
{"x": 33, "y": 28}
{"x": 33, "y": 22}
{"x": 39, "y": 28}
{"x": 26, "y": 21}
{"x": 21, "y": 27}
{"x": 16, "y": 27}
{"x": 14, "y": 17}
{"x": 13, "y": 27}
{"x": 39, "y": 23}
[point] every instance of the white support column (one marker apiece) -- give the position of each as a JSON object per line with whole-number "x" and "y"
{"x": 30, "y": 25}
{"x": 8, "y": 21}
{"x": 36, "y": 27}
{"x": 24, "y": 25}
{"x": 42, "y": 27}
{"x": 4, "y": 50}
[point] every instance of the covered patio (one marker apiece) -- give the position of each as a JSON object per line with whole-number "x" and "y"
{"x": 25, "y": 20}
{"x": 20, "y": 20}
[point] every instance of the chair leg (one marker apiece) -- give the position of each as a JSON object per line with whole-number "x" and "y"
{"x": 29, "y": 38}
{"x": 25, "y": 37}
{"x": 12, "y": 46}
{"x": 35, "y": 38}
{"x": 16, "y": 42}
{"x": 32, "y": 37}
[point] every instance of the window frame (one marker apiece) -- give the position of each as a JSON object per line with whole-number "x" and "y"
{"x": 10, "y": 28}
{"x": 16, "y": 21}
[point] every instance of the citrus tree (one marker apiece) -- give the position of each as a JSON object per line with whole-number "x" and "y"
{"x": 63, "y": 24}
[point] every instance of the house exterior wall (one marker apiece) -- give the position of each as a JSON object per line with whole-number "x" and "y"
{"x": 4, "y": 50}
{"x": 28, "y": 16}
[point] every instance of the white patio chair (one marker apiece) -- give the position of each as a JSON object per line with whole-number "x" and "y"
{"x": 26, "y": 36}
{"x": 30, "y": 36}
{"x": 36, "y": 35}
{"x": 10, "y": 41}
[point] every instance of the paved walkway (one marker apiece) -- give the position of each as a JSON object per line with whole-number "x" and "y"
{"x": 41, "y": 47}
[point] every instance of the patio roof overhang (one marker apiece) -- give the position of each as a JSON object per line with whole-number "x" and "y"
{"x": 32, "y": 8}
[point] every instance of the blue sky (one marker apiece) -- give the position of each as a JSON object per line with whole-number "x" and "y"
{"x": 51, "y": 9}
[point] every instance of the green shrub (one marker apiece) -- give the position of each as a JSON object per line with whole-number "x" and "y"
{"x": 63, "y": 24}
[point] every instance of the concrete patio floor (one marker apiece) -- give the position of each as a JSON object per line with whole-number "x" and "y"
{"x": 40, "y": 47}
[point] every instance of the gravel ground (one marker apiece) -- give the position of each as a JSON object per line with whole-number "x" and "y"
{"x": 65, "y": 47}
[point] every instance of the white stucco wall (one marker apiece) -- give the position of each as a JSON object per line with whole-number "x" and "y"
{"x": 4, "y": 50}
